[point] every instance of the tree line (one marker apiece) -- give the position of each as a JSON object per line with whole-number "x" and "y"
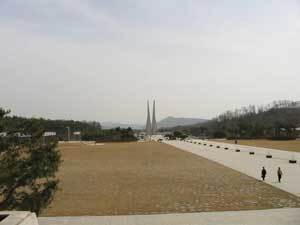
{"x": 278, "y": 120}
{"x": 57, "y": 126}
{"x": 90, "y": 130}
{"x": 112, "y": 135}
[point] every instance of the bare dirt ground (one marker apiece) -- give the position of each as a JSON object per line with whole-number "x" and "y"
{"x": 149, "y": 178}
{"x": 293, "y": 145}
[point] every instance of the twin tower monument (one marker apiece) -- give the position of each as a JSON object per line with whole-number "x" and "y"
{"x": 151, "y": 128}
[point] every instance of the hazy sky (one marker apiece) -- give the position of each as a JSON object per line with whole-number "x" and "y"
{"x": 101, "y": 60}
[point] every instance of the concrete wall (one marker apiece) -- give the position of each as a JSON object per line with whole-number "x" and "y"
{"x": 18, "y": 218}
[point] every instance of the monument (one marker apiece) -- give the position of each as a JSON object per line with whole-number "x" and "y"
{"x": 151, "y": 128}
{"x": 148, "y": 123}
{"x": 154, "y": 124}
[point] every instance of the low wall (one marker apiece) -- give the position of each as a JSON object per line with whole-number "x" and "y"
{"x": 18, "y": 218}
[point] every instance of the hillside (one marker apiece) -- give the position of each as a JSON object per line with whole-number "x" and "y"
{"x": 170, "y": 122}
{"x": 279, "y": 120}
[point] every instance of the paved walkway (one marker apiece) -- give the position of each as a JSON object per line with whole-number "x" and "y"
{"x": 261, "y": 217}
{"x": 250, "y": 164}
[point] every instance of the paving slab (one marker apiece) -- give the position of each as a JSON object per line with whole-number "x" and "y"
{"x": 250, "y": 165}
{"x": 287, "y": 216}
{"x": 18, "y": 218}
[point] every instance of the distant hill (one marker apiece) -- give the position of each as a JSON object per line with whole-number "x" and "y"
{"x": 168, "y": 122}
{"x": 177, "y": 121}
{"x": 279, "y": 120}
{"x": 110, "y": 125}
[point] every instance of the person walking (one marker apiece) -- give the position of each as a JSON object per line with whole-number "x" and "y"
{"x": 263, "y": 173}
{"x": 279, "y": 174}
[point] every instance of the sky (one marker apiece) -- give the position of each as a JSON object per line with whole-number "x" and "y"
{"x": 102, "y": 60}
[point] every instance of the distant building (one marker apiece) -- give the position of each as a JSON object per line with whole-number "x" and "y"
{"x": 3, "y": 134}
{"x": 77, "y": 135}
{"x": 17, "y": 134}
{"x": 49, "y": 134}
{"x": 21, "y": 135}
{"x": 141, "y": 135}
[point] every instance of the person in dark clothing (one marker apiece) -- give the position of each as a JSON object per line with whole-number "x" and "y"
{"x": 279, "y": 174}
{"x": 263, "y": 173}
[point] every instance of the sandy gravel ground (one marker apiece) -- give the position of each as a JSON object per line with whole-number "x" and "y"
{"x": 293, "y": 145}
{"x": 151, "y": 178}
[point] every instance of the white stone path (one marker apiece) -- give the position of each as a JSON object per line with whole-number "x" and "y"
{"x": 250, "y": 164}
{"x": 259, "y": 217}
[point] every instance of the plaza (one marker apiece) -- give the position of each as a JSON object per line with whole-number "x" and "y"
{"x": 250, "y": 164}
{"x": 197, "y": 182}
{"x": 153, "y": 178}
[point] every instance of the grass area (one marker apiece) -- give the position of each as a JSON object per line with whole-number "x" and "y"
{"x": 293, "y": 145}
{"x": 149, "y": 178}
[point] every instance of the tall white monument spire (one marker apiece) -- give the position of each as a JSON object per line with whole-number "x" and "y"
{"x": 154, "y": 124}
{"x": 148, "y": 123}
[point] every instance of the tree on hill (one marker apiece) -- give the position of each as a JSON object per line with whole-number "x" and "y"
{"x": 277, "y": 120}
{"x": 27, "y": 167}
{"x": 58, "y": 126}
{"x": 176, "y": 134}
{"x": 112, "y": 135}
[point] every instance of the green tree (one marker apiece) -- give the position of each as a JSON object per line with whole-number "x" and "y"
{"x": 27, "y": 167}
{"x": 115, "y": 135}
{"x": 178, "y": 134}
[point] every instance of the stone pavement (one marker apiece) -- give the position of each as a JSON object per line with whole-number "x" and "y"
{"x": 250, "y": 164}
{"x": 241, "y": 161}
{"x": 287, "y": 216}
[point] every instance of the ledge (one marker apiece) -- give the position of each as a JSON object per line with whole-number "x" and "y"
{"x": 18, "y": 218}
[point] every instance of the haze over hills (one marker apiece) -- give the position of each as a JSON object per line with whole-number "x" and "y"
{"x": 279, "y": 120}
{"x": 110, "y": 125}
{"x": 164, "y": 123}
{"x": 179, "y": 121}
